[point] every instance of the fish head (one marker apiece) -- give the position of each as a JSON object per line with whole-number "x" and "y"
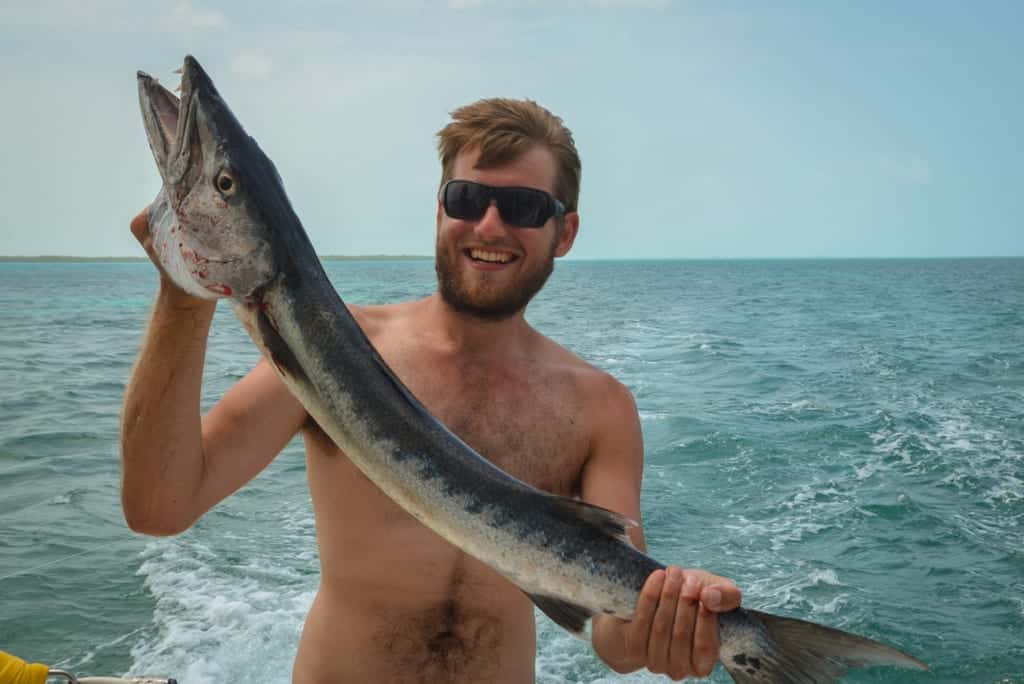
{"x": 214, "y": 238}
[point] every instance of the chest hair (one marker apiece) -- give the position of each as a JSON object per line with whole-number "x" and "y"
{"x": 522, "y": 416}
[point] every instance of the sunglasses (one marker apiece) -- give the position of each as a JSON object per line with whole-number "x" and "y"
{"x": 519, "y": 207}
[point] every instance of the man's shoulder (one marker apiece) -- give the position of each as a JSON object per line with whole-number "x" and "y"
{"x": 598, "y": 385}
{"x": 376, "y": 318}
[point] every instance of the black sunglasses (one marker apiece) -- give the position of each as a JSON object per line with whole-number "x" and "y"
{"x": 519, "y": 207}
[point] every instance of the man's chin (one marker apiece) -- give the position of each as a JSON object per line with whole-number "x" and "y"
{"x": 482, "y": 298}
{"x": 480, "y": 308}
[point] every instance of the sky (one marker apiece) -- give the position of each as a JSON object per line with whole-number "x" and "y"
{"x": 706, "y": 129}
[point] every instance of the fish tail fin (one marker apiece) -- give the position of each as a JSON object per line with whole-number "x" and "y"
{"x": 758, "y": 648}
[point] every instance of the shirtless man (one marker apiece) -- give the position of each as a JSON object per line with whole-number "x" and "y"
{"x": 396, "y": 602}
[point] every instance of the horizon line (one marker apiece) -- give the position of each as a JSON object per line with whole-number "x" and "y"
{"x": 68, "y": 258}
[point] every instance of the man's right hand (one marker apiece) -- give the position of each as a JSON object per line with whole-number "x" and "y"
{"x": 168, "y": 288}
{"x": 140, "y": 229}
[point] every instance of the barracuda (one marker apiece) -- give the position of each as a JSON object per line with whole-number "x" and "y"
{"x": 222, "y": 227}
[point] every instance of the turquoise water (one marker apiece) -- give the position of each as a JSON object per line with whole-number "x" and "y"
{"x": 844, "y": 438}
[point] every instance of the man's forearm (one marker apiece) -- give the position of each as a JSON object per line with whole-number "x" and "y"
{"x": 161, "y": 426}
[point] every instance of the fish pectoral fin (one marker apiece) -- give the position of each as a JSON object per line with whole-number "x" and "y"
{"x": 611, "y": 523}
{"x": 569, "y": 616}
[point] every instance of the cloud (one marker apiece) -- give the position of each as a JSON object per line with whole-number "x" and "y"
{"x": 250, "y": 64}
{"x": 183, "y": 15}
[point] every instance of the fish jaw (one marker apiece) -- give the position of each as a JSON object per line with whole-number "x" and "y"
{"x": 207, "y": 229}
{"x": 160, "y": 118}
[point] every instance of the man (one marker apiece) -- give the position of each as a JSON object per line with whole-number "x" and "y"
{"x": 397, "y": 603}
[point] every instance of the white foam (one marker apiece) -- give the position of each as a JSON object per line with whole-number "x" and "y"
{"x": 869, "y": 468}
{"x": 563, "y": 658}
{"x": 827, "y": 576}
{"x": 830, "y": 607}
{"x": 819, "y": 589}
{"x": 1008, "y": 491}
{"x": 218, "y": 621}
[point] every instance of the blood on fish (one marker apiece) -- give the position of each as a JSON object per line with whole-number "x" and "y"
{"x": 219, "y": 289}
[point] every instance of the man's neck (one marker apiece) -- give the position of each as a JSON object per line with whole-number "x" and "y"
{"x": 464, "y": 333}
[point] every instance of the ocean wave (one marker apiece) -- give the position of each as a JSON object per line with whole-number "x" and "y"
{"x": 214, "y": 623}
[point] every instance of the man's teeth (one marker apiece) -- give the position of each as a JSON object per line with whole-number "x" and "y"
{"x": 492, "y": 257}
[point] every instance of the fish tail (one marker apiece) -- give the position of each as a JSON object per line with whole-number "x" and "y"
{"x": 758, "y": 648}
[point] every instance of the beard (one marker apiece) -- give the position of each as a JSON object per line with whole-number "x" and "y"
{"x": 487, "y": 301}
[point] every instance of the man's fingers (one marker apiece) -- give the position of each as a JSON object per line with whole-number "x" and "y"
{"x": 140, "y": 225}
{"x": 705, "y": 642}
{"x": 659, "y": 643}
{"x": 640, "y": 626}
{"x": 720, "y": 595}
{"x": 649, "y": 596}
{"x": 683, "y": 629}
{"x": 675, "y": 628}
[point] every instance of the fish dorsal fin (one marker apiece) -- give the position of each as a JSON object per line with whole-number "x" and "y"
{"x": 569, "y": 616}
{"x": 609, "y": 522}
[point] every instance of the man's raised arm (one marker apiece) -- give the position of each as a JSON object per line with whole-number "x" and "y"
{"x": 175, "y": 464}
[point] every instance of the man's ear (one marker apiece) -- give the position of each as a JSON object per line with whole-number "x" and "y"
{"x": 570, "y": 227}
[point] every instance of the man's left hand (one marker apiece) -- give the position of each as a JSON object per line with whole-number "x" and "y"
{"x": 675, "y": 628}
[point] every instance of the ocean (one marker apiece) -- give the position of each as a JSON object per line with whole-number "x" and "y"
{"x": 844, "y": 438}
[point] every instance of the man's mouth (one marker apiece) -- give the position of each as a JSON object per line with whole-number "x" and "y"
{"x": 489, "y": 257}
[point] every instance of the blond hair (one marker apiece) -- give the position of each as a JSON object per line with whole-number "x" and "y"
{"x": 503, "y": 130}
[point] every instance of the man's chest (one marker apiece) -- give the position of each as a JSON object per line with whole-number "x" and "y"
{"x": 525, "y": 418}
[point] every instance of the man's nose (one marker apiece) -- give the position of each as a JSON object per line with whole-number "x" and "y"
{"x": 490, "y": 224}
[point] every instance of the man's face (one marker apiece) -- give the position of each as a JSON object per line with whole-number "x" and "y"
{"x": 487, "y": 268}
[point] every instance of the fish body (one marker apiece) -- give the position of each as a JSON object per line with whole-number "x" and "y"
{"x": 222, "y": 227}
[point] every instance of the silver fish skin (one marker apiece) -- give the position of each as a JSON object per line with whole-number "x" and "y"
{"x": 223, "y": 227}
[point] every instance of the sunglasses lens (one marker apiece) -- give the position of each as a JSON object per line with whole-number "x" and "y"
{"x": 465, "y": 201}
{"x": 522, "y": 207}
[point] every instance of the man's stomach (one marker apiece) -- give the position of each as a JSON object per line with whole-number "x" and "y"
{"x": 429, "y": 622}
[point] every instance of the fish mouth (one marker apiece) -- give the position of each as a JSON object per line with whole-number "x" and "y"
{"x": 172, "y": 136}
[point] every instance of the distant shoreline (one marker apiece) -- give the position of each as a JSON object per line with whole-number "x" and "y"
{"x": 62, "y": 259}
{"x": 59, "y": 259}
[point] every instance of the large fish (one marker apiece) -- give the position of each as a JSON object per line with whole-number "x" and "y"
{"x": 222, "y": 227}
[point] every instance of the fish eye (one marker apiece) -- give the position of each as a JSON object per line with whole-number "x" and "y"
{"x": 226, "y": 183}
